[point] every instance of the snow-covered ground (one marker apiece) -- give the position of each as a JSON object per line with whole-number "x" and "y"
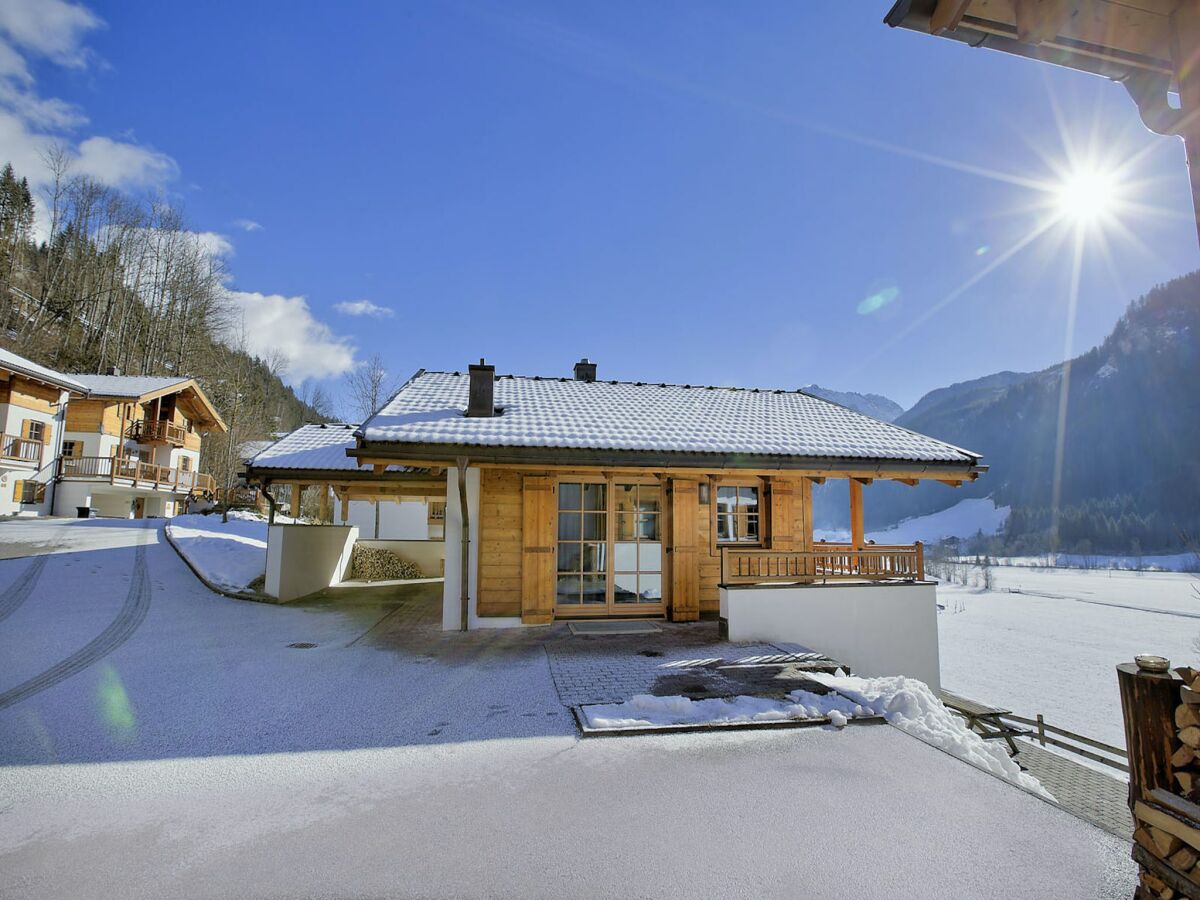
{"x": 1168, "y": 562}
{"x": 964, "y": 519}
{"x": 229, "y": 554}
{"x": 1053, "y": 647}
{"x": 206, "y": 754}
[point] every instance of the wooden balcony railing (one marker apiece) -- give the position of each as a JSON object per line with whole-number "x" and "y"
{"x": 148, "y": 431}
{"x": 12, "y": 447}
{"x": 139, "y": 474}
{"x": 874, "y": 562}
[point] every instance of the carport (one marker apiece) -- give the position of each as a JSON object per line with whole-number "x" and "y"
{"x": 308, "y": 556}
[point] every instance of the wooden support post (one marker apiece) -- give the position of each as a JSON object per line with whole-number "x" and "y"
{"x": 920, "y": 561}
{"x": 857, "y": 538}
{"x": 1148, "y": 701}
{"x": 325, "y": 513}
{"x": 1185, "y": 51}
{"x": 297, "y": 492}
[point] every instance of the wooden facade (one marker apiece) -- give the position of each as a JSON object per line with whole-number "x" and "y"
{"x": 519, "y": 541}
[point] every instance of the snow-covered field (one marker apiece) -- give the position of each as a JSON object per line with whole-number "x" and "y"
{"x": 1053, "y": 647}
{"x": 230, "y": 554}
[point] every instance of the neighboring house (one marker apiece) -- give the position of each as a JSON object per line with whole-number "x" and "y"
{"x": 316, "y": 455}
{"x": 132, "y": 447}
{"x": 33, "y": 402}
{"x": 589, "y": 498}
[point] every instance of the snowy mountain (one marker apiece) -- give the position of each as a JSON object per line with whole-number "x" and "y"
{"x": 1130, "y": 472}
{"x": 875, "y": 405}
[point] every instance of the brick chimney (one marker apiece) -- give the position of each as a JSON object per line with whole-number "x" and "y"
{"x": 585, "y": 370}
{"x": 480, "y": 397}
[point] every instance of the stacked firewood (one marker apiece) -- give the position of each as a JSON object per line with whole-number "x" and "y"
{"x": 378, "y": 564}
{"x": 1168, "y": 821}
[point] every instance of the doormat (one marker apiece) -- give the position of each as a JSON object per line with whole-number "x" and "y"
{"x": 607, "y": 627}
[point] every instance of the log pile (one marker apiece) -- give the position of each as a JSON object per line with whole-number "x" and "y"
{"x": 1167, "y": 836}
{"x": 379, "y": 564}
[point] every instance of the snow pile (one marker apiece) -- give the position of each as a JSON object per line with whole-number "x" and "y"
{"x": 911, "y": 706}
{"x": 230, "y": 554}
{"x": 645, "y": 710}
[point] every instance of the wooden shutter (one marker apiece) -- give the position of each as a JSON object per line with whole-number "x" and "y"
{"x": 683, "y": 549}
{"x": 537, "y": 550}
{"x": 26, "y": 429}
{"x": 781, "y": 511}
{"x": 19, "y": 491}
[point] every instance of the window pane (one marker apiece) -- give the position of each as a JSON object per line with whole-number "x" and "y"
{"x": 570, "y": 526}
{"x": 648, "y": 527}
{"x": 569, "y": 496}
{"x": 595, "y": 589}
{"x": 568, "y": 557}
{"x": 625, "y": 526}
{"x": 750, "y": 526}
{"x": 650, "y": 588}
{"x": 568, "y": 589}
{"x": 648, "y": 497}
{"x": 748, "y": 498}
{"x": 625, "y": 498}
{"x": 594, "y": 527}
{"x": 625, "y": 589}
{"x": 649, "y": 557}
{"x": 726, "y": 499}
{"x": 594, "y": 556}
{"x": 625, "y": 557}
{"x": 724, "y": 527}
{"x": 593, "y": 496}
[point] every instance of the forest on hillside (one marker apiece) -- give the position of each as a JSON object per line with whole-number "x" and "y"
{"x": 120, "y": 284}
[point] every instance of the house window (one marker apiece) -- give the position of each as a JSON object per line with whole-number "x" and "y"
{"x": 737, "y": 514}
{"x": 35, "y": 431}
{"x": 185, "y": 464}
{"x": 582, "y": 544}
{"x": 437, "y": 511}
{"x": 72, "y": 449}
{"x": 29, "y": 491}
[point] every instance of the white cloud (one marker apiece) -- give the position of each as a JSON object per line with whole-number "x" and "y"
{"x": 124, "y": 165}
{"x": 363, "y": 308}
{"x": 54, "y": 29}
{"x": 287, "y": 326}
{"x": 247, "y": 225}
{"x": 12, "y": 65}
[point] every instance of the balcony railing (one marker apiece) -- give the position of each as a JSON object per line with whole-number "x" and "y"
{"x": 139, "y": 474}
{"x": 874, "y": 562}
{"x": 148, "y": 431}
{"x": 23, "y": 449}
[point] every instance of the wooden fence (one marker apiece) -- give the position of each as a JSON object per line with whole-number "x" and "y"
{"x": 875, "y": 562}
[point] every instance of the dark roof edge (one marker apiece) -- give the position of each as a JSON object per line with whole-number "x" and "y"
{"x": 653, "y": 458}
{"x": 269, "y": 473}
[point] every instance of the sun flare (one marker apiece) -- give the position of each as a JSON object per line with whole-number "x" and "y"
{"x": 1087, "y": 196}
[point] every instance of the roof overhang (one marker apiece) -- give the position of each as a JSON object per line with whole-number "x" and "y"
{"x": 73, "y": 389}
{"x": 368, "y": 453}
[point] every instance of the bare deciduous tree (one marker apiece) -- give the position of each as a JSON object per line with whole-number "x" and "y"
{"x": 368, "y": 387}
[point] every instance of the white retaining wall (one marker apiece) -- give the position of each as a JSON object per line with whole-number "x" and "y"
{"x": 406, "y": 520}
{"x": 876, "y": 629}
{"x": 302, "y": 559}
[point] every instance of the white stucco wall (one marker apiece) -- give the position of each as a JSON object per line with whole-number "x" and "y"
{"x": 302, "y": 559}
{"x": 407, "y": 520}
{"x": 451, "y": 601}
{"x": 876, "y": 629}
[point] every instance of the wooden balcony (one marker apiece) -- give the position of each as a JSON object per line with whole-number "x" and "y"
{"x": 825, "y": 562}
{"x": 149, "y": 431}
{"x": 21, "y": 449}
{"x": 136, "y": 474}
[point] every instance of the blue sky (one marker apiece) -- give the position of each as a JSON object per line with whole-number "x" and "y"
{"x": 692, "y": 192}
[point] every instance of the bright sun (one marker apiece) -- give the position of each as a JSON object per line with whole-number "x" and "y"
{"x": 1087, "y": 196}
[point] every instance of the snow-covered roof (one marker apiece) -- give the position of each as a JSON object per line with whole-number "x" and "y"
{"x": 23, "y": 366}
{"x": 637, "y": 416}
{"x": 131, "y": 386}
{"x": 313, "y": 448}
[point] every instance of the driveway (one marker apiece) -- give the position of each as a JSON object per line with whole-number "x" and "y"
{"x": 159, "y": 740}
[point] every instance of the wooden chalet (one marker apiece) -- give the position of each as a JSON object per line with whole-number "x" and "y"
{"x": 580, "y": 497}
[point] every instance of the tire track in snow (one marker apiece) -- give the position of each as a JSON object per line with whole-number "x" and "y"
{"x": 131, "y": 616}
{"x": 18, "y": 592}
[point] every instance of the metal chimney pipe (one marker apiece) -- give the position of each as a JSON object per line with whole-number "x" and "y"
{"x": 585, "y": 370}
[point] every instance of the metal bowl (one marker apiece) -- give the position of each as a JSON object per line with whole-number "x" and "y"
{"x": 1148, "y": 662}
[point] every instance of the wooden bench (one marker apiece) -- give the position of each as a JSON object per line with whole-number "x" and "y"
{"x": 987, "y": 721}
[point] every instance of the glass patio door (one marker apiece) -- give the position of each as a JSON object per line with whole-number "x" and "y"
{"x": 609, "y": 548}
